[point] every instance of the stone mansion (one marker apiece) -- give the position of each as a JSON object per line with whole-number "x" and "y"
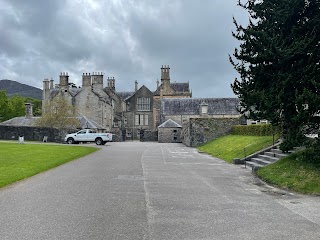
{"x": 107, "y": 109}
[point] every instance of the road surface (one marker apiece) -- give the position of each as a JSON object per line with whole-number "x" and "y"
{"x": 135, "y": 190}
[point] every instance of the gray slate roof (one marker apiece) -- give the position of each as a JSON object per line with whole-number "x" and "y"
{"x": 180, "y": 87}
{"x": 177, "y": 87}
{"x": 170, "y": 124}
{"x": 191, "y": 106}
{"x": 20, "y": 121}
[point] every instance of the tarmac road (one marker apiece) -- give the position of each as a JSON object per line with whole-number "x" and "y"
{"x": 137, "y": 190}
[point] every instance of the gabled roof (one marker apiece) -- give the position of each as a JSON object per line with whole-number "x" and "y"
{"x": 170, "y": 124}
{"x": 86, "y": 122}
{"x": 191, "y": 106}
{"x": 125, "y": 95}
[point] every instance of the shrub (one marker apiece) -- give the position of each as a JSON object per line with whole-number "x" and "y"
{"x": 253, "y": 130}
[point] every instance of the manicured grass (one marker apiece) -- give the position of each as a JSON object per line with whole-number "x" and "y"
{"x": 19, "y": 161}
{"x": 232, "y": 146}
{"x": 293, "y": 174}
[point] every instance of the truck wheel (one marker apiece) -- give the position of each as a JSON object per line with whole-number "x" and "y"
{"x": 99, "y": 141}
{"x": 70, "y": 140}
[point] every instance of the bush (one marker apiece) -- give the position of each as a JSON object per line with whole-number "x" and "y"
{"x": 253, "y": 130}
{"x": 312, "y": 152}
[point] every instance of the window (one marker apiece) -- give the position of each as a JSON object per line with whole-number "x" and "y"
{"x": 204, "y": 109}
{"x": 141, "y": 119}
{"x": 143, "y": 104}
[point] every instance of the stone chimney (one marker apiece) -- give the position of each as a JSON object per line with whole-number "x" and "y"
{"x": 29, "y": 113}
{"x": 111, "y": 83}
{"x": 97, "y": 80}
{"x": 86, "y": 80}
{"x": 51, "y": 83}
{"x": 136, "y": 85}
{"x": 64, "y": 81}
{"x": 165, "y": 78}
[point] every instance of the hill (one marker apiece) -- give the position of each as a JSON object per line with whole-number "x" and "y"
{"x": 23, "y": 90}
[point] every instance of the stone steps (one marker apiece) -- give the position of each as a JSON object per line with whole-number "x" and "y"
{"x": 265, "y": 158}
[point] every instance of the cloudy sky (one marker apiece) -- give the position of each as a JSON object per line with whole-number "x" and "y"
{"x": 125, "y": 39}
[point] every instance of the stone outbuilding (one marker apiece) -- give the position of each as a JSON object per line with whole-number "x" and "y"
{"x": 169, "y": 132}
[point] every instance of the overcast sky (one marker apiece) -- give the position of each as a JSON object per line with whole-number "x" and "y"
{"x": 125, "y": 39}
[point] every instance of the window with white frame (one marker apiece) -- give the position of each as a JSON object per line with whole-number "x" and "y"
{"x": 141, "y": 119}
{"x": 143, "y": 104}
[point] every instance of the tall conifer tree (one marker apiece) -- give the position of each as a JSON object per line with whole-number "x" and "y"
{"x": 278, "y": 62}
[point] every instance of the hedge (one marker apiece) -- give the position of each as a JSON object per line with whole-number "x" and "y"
{"x": 253, "y": 130}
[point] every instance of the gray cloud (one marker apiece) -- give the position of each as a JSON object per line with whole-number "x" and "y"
{"x": 127, "y": 39}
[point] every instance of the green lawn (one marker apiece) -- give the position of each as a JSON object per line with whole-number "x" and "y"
{"x": 19, "y": 161}
{"x": 232, "y": 146}
{"x": 293, "y": 174}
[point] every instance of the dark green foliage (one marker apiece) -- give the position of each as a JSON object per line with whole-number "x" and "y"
{"x": 253, "y": 130}
{"x": 278, "y": 62}
{"x": 15, "y": 106}
{"x": 312, "y": 153}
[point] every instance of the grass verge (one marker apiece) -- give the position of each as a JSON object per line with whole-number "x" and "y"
{"x": 19, "y": 161}
{"x": 294, "y": 174}
{"x": 232, "y": 146}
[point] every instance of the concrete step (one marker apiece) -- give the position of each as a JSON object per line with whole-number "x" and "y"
{"x": 268, "y": 158}
{"x": 260, "y": 161}
{"x": 253, "y": 165}
{"x": 277, "y": 155}
{"x": 276, "y": 150}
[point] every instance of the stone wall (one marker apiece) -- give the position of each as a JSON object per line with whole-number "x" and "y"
{"x": 32, "y": 133}
{"x": 148, "y": 136}
{"x": 169, "y": 135}
{"x": 197, "y": 131}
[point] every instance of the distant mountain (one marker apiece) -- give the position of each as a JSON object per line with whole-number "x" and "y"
{"x": 23, "y": 90}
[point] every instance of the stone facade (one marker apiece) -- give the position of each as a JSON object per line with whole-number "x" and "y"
{"x": 138, "y": 114}
{"x": 197, "y": 131}
{"x": 168, "y": 90}
{"x": 90, "y": 101}
{"x": 148, "y": 136}
{"x": 126, "y": 114}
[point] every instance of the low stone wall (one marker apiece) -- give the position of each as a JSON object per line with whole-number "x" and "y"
{"x": 197, "y": 131}
{"x": 148, "y": 136}
{"x": 32, "y": 133}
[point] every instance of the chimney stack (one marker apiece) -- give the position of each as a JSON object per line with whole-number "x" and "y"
{"x": 136, "y": 86}
{"x": 29, "y": 113}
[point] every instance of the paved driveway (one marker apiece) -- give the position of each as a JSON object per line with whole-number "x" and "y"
{"x": 136, "y": 190}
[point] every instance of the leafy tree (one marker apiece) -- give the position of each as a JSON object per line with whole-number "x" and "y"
{"x": 3, "y": 106}
{"x": 16, "y": 107}
{"x": 278, "y": 63}
{"x": 59, "y": 114}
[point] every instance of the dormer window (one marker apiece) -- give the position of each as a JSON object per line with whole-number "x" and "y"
{"x": 203, "y": 108}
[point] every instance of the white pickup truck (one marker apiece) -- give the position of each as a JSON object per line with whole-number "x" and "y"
{"x": 88, "y": 135}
